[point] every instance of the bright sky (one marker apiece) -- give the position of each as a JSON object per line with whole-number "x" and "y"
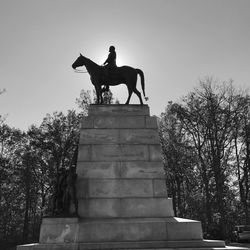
{"x": 175, "y": 42}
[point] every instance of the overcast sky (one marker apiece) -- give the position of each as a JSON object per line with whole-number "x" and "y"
{"x": 175, "y": 43}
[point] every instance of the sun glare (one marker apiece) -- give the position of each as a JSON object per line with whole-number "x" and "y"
{"x": 120, "y": 61}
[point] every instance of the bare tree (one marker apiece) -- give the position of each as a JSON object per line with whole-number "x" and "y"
{"x": 209, "y": 116}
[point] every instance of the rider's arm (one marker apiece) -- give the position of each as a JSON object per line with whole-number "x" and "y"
{"x": 106, "y": 61}
{"x": 109, "y": 59}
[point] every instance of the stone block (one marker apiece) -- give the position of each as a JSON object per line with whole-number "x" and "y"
{"x": 107, "y": 122}
{"x": 125, "y": 207}
{"x": 119, "y": 122}
{"x": 119, "y": 136}
{"x": 99, "y": 136}
{"x": 146, "y": 207}
{"x": 183, "y": 229}
{"x": 59, "y": 230}
{"x": 84, "y": 153}
{"x": 98, "y": 169}
{"x": 118, "y": 109}
{"x": 115, "y": 188}
{"x": 116, "y": 230}
{"x": 155, "y": 152}
{"x": 139, "y": 136}
{"x": 119, "y": 153}
{"x": 139, "y": 229}
{"x": 160, "y": 188}
{"x": 142, "y": 169}
{"x": 151, "y": 122}
{"x": 98, "y": 208}
{"x": 117, "y": 169}
{"x": 87, "y": 122}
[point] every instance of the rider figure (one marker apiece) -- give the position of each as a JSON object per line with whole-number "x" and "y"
{"x": 111, "y": 60}
{"x": 110, "y": 64}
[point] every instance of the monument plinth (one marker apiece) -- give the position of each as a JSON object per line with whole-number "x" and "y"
{"x": 121, "y": 190}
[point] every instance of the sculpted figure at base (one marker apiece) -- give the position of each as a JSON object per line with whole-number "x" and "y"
{"x": 70, "y": 193}
{"x": 111, "y": 75}
{"x": 57, "y": 197}
{"x": 65, "y": 193}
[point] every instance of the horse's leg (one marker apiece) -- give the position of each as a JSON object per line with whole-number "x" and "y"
{"x": 137, "y": 92}
{"x": 130, "y": 91}
{"x": 98, "y": 91}
{"x": 97, "y": 95}
{"x": 101, "y": 95}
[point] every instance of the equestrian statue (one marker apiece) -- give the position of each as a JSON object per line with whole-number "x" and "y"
{"x": 110, "y": 75}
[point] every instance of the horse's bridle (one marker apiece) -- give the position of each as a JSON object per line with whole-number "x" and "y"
{"x": 80, "y": 71}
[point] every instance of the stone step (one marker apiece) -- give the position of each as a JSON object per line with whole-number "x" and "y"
{"x": 156, "y": 244}
{"x": 125, "y": 208}
{"x": 73, "y": 230}
{"x": 119, "y": 152}
{"x": 180, "y": 245}
{"x": 118, "y": 109}
{"x": 120, "y": 188}
{"x": 116, "y": 169}
{"x": 119, "y": 136}
{"x": 82, "y": 246}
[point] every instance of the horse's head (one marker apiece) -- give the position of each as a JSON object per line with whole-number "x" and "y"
{"x": 79, "y": 62}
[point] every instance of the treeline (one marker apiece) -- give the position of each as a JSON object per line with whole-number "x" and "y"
{"x": 29, "y": 165}
{"x": 206, "y": 153}
{"x": 29, "y": 162}
{"x": 206, "y": 150}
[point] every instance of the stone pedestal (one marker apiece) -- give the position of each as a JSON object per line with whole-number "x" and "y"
{"x": 121, "y": 190}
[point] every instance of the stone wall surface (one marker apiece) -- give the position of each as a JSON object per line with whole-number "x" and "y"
{"x": 120, "y": 170}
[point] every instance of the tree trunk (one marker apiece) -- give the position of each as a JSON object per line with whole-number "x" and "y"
{"x": 26, "y": 216}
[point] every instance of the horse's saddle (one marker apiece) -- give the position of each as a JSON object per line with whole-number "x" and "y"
{"x": 109, "y": 74}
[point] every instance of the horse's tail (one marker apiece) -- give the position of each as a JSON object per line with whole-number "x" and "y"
{"x": 140, "y": 72}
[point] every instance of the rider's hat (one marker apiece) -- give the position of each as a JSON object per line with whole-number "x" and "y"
{"x": 112, "y": 48}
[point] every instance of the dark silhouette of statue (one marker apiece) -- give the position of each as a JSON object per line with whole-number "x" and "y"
{"x": 121, "y": 75}
{"x": 109, "y": 68}
{"x": 111, "y": 60}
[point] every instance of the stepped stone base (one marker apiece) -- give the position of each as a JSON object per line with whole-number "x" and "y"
{"x": 74, "y": 230}
{"x": 121, "y": 190}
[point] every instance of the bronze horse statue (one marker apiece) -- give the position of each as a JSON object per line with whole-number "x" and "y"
{"x": 125, "y": 74}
